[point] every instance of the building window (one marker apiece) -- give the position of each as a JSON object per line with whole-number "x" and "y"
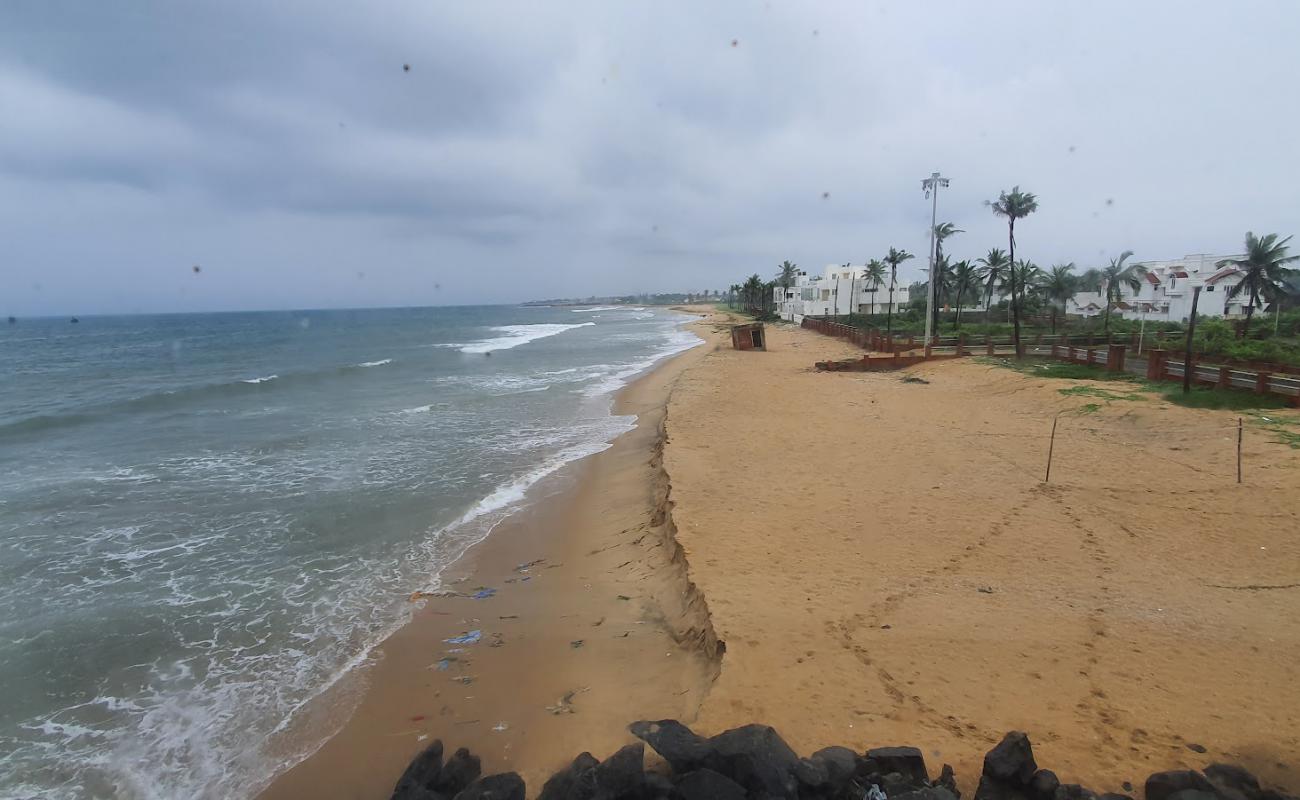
{"x": 1209, "y": 288}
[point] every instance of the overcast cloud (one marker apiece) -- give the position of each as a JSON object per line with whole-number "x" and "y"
{"x": 553, "y": 149}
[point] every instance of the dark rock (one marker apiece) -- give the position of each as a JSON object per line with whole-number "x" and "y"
{"x": 1232, "y": 780}
{"x": 459, "y": 772}
{"x": 1012, "y": 760}
{"x": 990, "y": 789}
{"x": 1043, "y": 785}
{"x": 658, "y": 786}
{"x": 1073, "y": 791}
{"x": 756, "y": 757}
{"x": 812, "y": 776}
{"x": 896, "y": 783}
{"x": 575, "y": 782}
{"x": 840, "y": 764}
{"x": 705, "y": 784}
{"x": 1196, "y": 748}
{"x": 679, "y": 746}
{"x": 622, "y": 775}
{"x": 1163, "y": 784}
{"x": 1194, "y": 794}
{"x": 924, "y": 793}
{"x": 420, "y": 773}
{"x": 506, "y": 786}
{"x": 1126, "y": 786}
{"x": 948, "y": 781}
{"x": 1114, "y": 796}
{"x": 906, "y": 761}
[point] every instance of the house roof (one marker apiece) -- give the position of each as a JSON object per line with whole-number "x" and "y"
{"x": 1180, "y": 274}
{"x": 1223, "y": 273}
{"x": 1151, "y": 276}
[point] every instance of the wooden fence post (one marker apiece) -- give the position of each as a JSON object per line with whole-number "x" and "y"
{"x": 1225, "y": 380}
{"x": 1261, "y": 383}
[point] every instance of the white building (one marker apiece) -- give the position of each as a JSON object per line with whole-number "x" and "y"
{"x": 1166, "y": 293}
{"x": 841, "y": 289}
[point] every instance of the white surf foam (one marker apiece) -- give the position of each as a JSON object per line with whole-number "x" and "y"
{"x": 379, "y": 363}
{"x": 516, "y": 335}
{"x": 594, "y": 308}
{"x": 262, "y": 379}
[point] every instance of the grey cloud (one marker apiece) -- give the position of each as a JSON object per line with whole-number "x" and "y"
{"x": 602, "y": 147}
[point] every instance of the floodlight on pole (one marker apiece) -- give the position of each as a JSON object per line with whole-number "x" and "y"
{"x": 931, "y": 186}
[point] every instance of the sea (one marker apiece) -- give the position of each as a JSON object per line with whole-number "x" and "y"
{"x": 206, "y": 520}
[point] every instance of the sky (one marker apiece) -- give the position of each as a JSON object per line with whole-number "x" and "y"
{"x": 539, "y": 150}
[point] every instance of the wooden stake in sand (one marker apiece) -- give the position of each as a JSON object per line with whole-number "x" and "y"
{"x": 1238, "y": 449}
{"x": 1051, "y": 445}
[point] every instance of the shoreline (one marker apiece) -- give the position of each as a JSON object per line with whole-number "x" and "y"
{"x": 609, "y": 576}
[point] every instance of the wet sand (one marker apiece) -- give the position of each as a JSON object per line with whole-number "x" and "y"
{"x": 604, "y": 629}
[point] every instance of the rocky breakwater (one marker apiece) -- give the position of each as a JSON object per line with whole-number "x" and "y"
{"x": 754, "y": 762}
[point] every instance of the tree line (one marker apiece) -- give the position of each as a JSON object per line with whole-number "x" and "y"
{"x": 1265, "y": 275}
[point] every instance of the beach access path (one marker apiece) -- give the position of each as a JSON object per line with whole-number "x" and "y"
{"x": 886, "y": 565}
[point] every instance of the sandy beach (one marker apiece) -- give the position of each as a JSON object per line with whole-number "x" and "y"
{"x": 885, "y": 566}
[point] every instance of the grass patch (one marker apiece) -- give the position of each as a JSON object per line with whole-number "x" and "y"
{"x": 1090, "y": 408}
{"x": 1097, "y": 391}
{"x": 1210, "y": 397}
{"x": 1219, "y": 399}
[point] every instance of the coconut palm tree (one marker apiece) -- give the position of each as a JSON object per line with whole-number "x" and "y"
{"x": 1115, "y": 276}
{"x": 753, "y": 292}
{"x": 1058, "y": 285}
{"x": 1027, "y": 276}
{"x": 788, "y": 272}
{"x": 1264, "y": 273}
{"x": 894, "y": 258}
{"x": 965, "y": 278}
{"x": 875, "y": 273}
{"x": 732, "y": 291}
{"x": 942, "y": 231}
{"x": 993, "y": 272}
{"x": 1014, "y": 205}
{"x": 1090, "y": 280}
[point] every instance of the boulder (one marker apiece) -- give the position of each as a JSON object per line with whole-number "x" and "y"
{"x": 1194, "y": 794}
{"x": 506, "y": 786}
{"x": 756, "y": 757}
{"x": 1232, "y": 781}
{"x": 1043, "y": 785}
{"x": 622, "y": 775}
{"x": 1113, "y": 796}
{"x": 839, "y": 763}
{"x": 459, "y": 772}
{"x": 1011, "y": 761}
{"x": 1073, "y": 791}
{"x": 812, "y": 777}
{"x": 420, "y": 774}
{"x": 706, "y": 784}
{"x": 924, "y": 793}
{"x": 678, "y": 745}
{"x": 948, "y": 781}
{"x": 896, "y": 783}
{"x": 1163, "y": 784}
{"x": 658, "y": 787}
{"x": 906, "y": 761}
{"x": 575, "y": 782}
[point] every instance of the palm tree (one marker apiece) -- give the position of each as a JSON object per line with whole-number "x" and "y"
{"x": 1263, "y": 271}
{"x": 1014, "y": 205}
{"x": 1058, "y": 286}
{"x": 993, "y": 271}
{"x": 786, "y": 277}
{"x": 941, "y": 232}
{"x": 753, "y": 291}
{"x": 1090, "y": 280}
{"x": 1115, "y": 276}
{"x": 965, "y": 277}
{"x": 1027, "y": 276}
{"x": 732, "y": 291}
{"x": 894, "y": 258}
{"x": 875, "y": 272}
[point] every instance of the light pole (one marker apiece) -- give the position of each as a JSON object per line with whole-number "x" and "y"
{"x": 931, "y": 185}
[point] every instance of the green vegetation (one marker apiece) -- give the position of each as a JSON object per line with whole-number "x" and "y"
{"x": 1097, "y": 391}
{"x": 1281, "y": 428}
{"x": 1089, "y": 408}
{"x": 1199, "y": 397}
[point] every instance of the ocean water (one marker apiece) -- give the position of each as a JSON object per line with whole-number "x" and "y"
{"x": 206, "y": 520}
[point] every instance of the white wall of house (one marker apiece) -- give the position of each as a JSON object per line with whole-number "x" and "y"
{"x": 839, "y": 290}
{"x": 1166, "y": 292}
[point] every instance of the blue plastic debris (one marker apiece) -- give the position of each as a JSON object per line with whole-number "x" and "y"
{"x": 483, "y": 594}
{"x": 444, "y": 665}
{"x": 465, "y": 638}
